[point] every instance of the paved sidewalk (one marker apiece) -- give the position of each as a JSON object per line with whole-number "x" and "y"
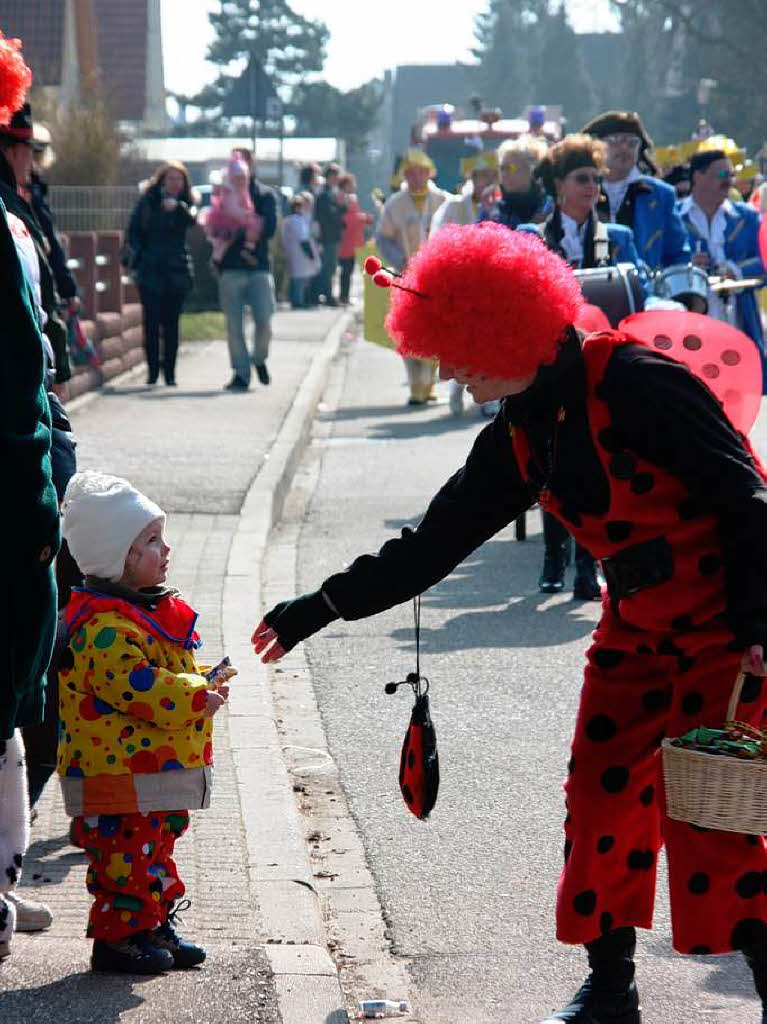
{"x": 219, "y": 464}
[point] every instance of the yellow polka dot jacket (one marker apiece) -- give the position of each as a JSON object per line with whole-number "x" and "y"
{"x": 132, "y": 734}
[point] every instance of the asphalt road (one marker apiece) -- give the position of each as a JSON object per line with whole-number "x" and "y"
{"x": 469, "y": 895}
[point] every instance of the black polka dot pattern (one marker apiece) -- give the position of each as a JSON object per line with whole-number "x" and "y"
{"x": 601, "y": 728}
{"x": 605, "y": 844}
{"x": 749, "y": 885}
{"x": 618, "y": 530}
{"x": 607, "y": 657}
{"x": 585, "y": 903}
{"x": 647, "y": 796}
{"x": 568, "y": 849}
{"x": 640, "y": 860}
{"x": 655, "y": 700}
{"x": 751, "y": 931}
{"x": 692, "y": 703}
{"x": 699, "y": 883}
{"x": 681, "y": 623}
{"x": 615, "y": 778}
{"x": 700, "y": 951}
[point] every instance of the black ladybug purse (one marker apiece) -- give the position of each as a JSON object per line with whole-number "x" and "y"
{"x": 419, "y": 761}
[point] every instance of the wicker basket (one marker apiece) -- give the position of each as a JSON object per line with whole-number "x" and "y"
{"x": 716, "y": 791}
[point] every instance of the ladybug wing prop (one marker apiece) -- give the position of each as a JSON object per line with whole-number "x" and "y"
{"x": 723, "y": 357}
{"x": 419, "y": 763}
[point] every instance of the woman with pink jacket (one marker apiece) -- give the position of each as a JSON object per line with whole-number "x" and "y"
{"x": 353, "y": 236}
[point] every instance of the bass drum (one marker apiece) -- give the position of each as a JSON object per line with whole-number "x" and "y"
{"x": 615, "y": 290}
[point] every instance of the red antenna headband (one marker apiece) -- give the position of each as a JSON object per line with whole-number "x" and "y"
{"x": 384, "y": 276}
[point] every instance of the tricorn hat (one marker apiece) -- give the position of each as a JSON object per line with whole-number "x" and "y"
{"x": 613, "y": 122}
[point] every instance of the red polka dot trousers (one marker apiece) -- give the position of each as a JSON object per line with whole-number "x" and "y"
{"x": 131, "y": 873}
{"x": 639, "y": 688}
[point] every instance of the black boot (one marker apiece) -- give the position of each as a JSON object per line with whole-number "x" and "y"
{"x": 586, "y": 586}
{"x": 609, "y": 994}
{"x": 756, "y": 958}
{"x": 556, "y": 555}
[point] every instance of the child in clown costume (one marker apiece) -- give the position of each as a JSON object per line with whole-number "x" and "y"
{"x": 135, "y": 752}
{"x": 636, "y": 457}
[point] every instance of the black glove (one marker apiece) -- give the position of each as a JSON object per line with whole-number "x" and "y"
{"x": 295, "y": 620}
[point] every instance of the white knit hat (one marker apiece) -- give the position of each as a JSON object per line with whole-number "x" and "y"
{"x": 103, "y": 515}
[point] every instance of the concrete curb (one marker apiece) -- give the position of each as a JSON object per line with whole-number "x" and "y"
{"x": 278, "y": 862}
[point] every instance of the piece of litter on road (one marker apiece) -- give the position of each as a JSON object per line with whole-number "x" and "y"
{"x": 379, "y": 1008}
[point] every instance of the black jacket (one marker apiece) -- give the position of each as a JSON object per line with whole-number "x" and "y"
{"x": 329, "y": 213}
{"x": 65, "y": 282}
{"x": 659, "y": 412}
{"x": 55, "y": 330}
{"x": 161, "y": 260}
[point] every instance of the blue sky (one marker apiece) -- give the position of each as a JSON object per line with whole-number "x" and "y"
{"x": 364, "y": 40}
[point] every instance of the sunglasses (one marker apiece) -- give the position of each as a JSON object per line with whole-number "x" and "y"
{"x": 624, "y": 139}
{"x": 584, "y": 178}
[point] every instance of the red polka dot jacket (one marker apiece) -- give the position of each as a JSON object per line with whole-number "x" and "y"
{"x": 132, "y": 735}
{"x": 636, "y": 456}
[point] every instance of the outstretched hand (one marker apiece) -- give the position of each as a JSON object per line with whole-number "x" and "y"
{"x": 266, "y": 644}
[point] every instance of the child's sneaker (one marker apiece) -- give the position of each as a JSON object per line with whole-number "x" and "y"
{"x": 165, "y": 937}
{"x": 135, "y": 954}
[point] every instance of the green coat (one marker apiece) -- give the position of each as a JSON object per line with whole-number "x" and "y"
{"x": 30, "y": 520}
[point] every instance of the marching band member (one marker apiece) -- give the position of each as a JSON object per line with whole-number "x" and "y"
{"x": 571, "y": 174}
{"x": 634, "y": 198}
{"x": 404, "y": 224}
{"x": 725, "y": 237}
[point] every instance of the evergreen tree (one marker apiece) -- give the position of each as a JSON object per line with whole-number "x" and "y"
{"x": 501, "y": 33}
{"x": 322, "y": 110}
{"x": 561, "y": 76}
{"x": 285, "y": 44}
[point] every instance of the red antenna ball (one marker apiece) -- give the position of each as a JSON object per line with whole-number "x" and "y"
{"x": 372, "y": 265}
{"x": 382, "y": 279}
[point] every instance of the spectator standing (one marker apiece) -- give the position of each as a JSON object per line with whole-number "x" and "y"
{"x": 353, "y": 236}
{"x": 16, "y": 155}
{"x": 402, "y": 227}
{"x": 28, "y": 601}
{"x": 38, "y": 199}
{"x": 245, "y": 279}
{"x": 329, "y": 211}
{"x": 162, "y": 263}
{"x": 301, "y": 252}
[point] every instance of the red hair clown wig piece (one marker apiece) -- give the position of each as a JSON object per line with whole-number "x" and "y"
{"x": 15, "y": 78}
{"x": 485, "y": 299}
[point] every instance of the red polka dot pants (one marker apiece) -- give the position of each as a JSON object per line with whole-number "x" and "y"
{"x": 616, "y": 825}
{"x": 131, "y": 873}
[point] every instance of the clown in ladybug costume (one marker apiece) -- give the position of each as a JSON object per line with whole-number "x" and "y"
{"x": 635, "y": 455}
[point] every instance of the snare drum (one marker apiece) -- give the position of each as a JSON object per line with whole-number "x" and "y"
{"x": 683, "y": 283}
{"x": 616, "y": 290}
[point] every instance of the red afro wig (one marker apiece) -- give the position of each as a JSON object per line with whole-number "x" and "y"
{"x": 490, "y": 300}
{"x": 15, "y": 78}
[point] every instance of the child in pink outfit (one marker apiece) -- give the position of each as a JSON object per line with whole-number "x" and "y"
{"x": 231, "y": 213}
